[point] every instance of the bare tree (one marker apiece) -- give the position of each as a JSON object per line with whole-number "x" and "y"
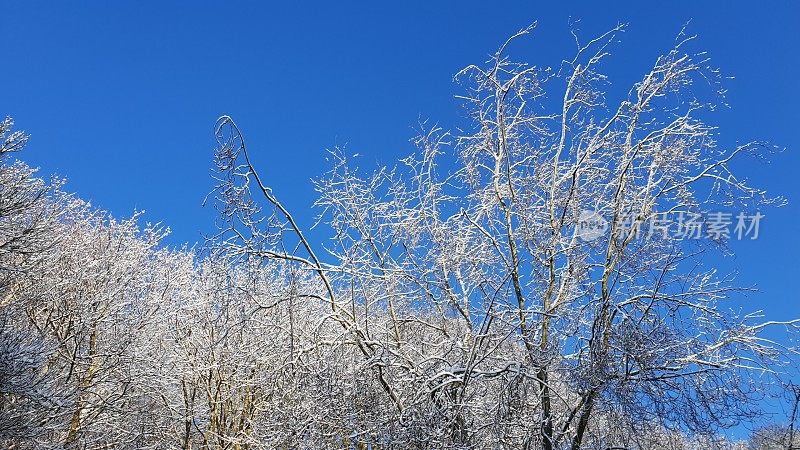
{"x": 541, "y": 278}
{"x": 96, "y": 296}
{"x": 467, "y": 286}
{"x": 30, "y": 210}
{"x": 781, "y": 436}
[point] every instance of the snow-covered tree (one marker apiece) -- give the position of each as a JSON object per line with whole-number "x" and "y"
{"x": 472, "y": 289}
{"x": 543, "y": 278}
{"x": 30, "y": 210}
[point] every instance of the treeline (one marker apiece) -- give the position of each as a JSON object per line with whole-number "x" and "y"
{"x": 456, "y": 304}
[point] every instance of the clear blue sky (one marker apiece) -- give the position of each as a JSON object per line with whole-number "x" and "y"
{"x": 121, "y": 97}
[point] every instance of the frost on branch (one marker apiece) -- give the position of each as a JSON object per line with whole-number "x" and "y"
{"x": 469, "y": 287}
{"x": 457, "y": 302}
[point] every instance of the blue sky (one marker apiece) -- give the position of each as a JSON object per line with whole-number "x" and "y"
{"x": 121, "y": 97}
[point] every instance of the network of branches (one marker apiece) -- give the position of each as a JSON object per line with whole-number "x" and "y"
{"x": 456, "y": 304}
